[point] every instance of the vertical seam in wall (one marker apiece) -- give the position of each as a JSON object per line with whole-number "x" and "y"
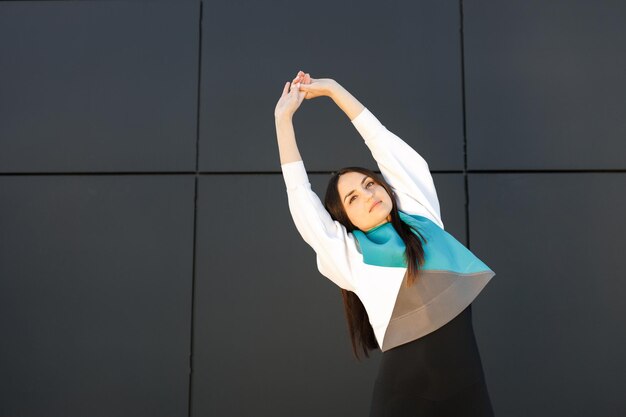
{"x": 195, "y": 210}
{"x": 465, "y": 178}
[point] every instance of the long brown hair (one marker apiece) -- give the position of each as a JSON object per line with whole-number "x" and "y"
{"x": 361, "y": 331}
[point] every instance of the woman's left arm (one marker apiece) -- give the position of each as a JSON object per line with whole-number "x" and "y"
{"x": 403, "y": 168}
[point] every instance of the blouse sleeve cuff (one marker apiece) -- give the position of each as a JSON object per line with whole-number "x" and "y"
{"x": 366, "y": 124}
{"x": 294, "y": 174}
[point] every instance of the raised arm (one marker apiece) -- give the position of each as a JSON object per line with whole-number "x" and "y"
{"x": 328, "y": 238}
{"x": 283, "y": 117}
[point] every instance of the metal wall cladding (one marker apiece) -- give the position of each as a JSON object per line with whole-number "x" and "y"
{"x": 400, "y": 61}
{"x": 98, "y": 86}
{"x": 95, "y": 294}
{"x": 544, "y": 84}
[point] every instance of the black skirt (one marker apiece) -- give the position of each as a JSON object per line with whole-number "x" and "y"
{"x": 439, "y": 374}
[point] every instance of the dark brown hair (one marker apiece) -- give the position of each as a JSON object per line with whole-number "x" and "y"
{"x": 361, "y": 331}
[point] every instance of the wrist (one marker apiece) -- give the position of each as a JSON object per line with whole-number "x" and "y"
{"x": 283, "y": 118}
{"x": 334, "y": 89}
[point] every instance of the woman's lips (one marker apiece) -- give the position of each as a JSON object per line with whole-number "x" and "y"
{"x": 374, "y": 205}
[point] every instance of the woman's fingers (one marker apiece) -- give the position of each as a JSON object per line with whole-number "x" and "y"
{"x": 285, "y": 89}
{"x": 295, "y": 88}
{"x": 302, "y": 76}
{"x": 301, "y": 79}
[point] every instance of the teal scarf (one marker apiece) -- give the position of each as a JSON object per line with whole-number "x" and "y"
{"x": 382, "y": 246}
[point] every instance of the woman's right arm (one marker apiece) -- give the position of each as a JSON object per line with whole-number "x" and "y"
{"x": 283, "y": 117}
{"x": 327, "y": 237}
{"x": 287, "y": 147}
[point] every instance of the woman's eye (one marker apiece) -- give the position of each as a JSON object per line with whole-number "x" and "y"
{"x": 370, "y": 183}
{"x": 352, "y": 198}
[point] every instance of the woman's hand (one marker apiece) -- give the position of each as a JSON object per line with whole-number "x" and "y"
{"x": 289, "y": 101}
{"x": 314, "y": 87}
{"x": 330, "y": 88}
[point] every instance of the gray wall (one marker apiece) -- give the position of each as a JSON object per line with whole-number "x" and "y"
{"x": 148, "y": 263}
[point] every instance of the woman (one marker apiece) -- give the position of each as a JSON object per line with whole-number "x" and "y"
{"x": 407, "y": 284}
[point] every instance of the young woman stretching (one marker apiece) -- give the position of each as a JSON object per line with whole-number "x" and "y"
{"x": 407, "y": 284}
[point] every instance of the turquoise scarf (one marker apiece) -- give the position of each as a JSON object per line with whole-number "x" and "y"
{"x": 382, "y": 246}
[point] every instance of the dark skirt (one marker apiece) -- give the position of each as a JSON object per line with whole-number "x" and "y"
{"x": 439, "y": 374}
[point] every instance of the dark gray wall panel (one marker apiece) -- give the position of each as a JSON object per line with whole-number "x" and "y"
{"x": 98, "y": 86}
{"x": 95, "y": 295}
{"x": 451, "y": 195}
{"x": 270, "y": 338}
{"x": 545, "y": 84}
{"x": 402, "y": 61}
{"x": 551, "y": 325}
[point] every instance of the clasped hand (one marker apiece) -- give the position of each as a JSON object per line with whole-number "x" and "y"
{"x": 302, "y": 87}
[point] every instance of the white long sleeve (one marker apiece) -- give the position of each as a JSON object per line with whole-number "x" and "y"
{"x": 333, "y": 246}
{"x": 401, "y": 166}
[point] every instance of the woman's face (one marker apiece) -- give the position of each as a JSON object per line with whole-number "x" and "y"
{"x": 366, "y": 202}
